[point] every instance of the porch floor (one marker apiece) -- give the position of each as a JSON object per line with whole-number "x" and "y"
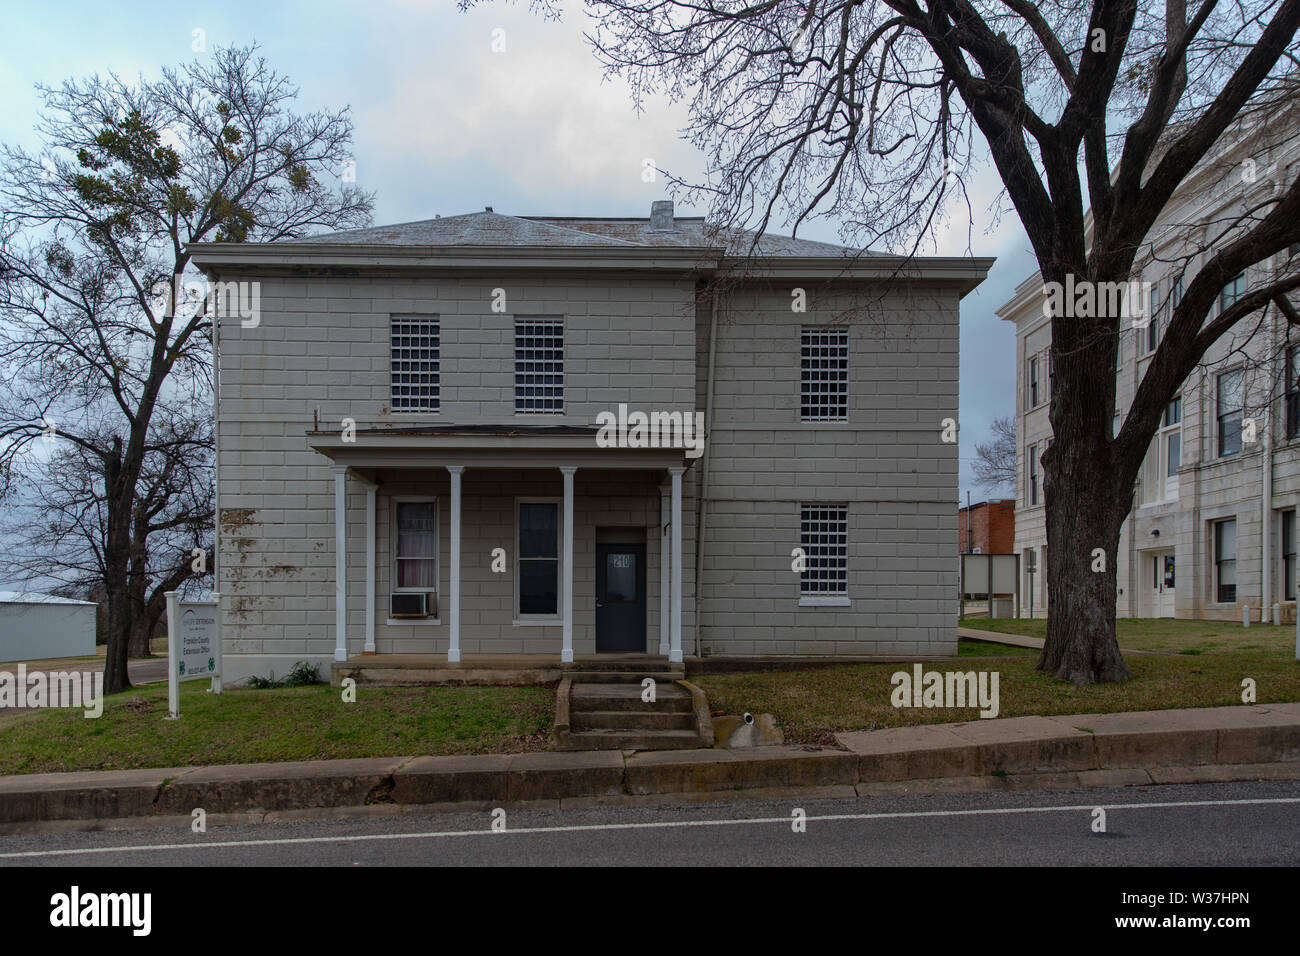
{"x": 419, "y": 669}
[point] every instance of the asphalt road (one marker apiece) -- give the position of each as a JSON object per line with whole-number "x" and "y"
{"x": 1245, "y": 824}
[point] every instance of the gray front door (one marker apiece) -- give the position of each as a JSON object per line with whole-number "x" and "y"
{"x": 620, "y": 598}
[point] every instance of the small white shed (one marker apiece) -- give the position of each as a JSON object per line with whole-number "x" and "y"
{"x": 38, "y": 626}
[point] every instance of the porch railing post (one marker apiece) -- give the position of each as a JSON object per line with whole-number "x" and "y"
{"x": 453, "y": 598}
{"x": 340, "y": 563}
{"x": 566, "y": 650}
{"x": 675, "y": 641}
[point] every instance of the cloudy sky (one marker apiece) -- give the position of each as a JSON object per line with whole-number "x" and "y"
{"x": 444, "y": 125}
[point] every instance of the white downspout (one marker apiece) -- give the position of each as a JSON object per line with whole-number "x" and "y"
{"x": 701, "y": 514}
{"x": 216, "y": 458}
{"x": 1266, "y": 498}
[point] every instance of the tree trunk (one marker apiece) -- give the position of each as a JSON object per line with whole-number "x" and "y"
{"x": 117, "y": 572}
{"x": 116, "y": 678}
{"x": 141, "y": 631}
{"x": 1084, "y": 516}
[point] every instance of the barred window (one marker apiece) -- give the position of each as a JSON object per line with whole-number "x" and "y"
{"x": 413, "y": 353}
{"x": 824, "y": 375}
{"x": 539, "y": 365}
{"x": 824, "y": 537}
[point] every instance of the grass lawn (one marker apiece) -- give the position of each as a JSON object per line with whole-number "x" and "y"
{"x": 969, "y": 648}
{"x": 299, "y": 723}
{"x": 811, "y": 705}
{"x": 1168, "y": 635}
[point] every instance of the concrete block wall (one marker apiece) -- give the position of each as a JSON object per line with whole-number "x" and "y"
{"x": 320, "y": 353}
{"x": 887, "y": 463}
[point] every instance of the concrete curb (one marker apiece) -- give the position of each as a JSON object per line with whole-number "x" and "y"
{"x": 1080, "y": 750}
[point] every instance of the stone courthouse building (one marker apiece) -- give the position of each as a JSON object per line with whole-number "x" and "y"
{"x": 1213, "y": 524}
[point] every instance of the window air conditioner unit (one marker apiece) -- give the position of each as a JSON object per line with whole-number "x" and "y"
{"x": 411, "y": 604}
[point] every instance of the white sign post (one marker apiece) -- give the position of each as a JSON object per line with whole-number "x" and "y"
{"x": 193, "y": 645}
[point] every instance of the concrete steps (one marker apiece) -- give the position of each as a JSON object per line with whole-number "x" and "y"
{"x": 627, "y": 697}
{"x": 610, "y": 714}
{"x": 622, "y": 677}
{"x": 613, "y": 739}
{"x": 631, "y": 720}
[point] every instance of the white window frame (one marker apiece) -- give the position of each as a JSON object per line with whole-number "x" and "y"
{"x": 521, "y": 619}
{"x": 436, "y": 406}
{"x": 804, "y": 397}
{"x": 1151, "y": 334}
{"x": 1032, "y": 382}
{"x": 823, "y": 598}
{"x": 555, "y": 320}
{"x": 394, "y": 501}
{"x": 1215, "y": 560}
{"x": 1219, "y": 415}
{"x": 1232, "y": 291}
{"x": 1158, "y": 485}
{"x": 1031, "y": 475}
{"x": 1288, "y": 579}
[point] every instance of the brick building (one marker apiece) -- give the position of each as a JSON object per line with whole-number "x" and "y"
{"x": 988, "y": 527}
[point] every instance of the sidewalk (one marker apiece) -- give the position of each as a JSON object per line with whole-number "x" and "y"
{"x": 1182, "y": 746}
{"x": 1019, "y": 640}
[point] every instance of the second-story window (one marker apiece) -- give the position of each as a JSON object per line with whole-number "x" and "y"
{"x": 539, "y": 365}
{"x": 414, "y": 364}
{"x": 1033, "y": 382}
{"x": 1293, "y": 391}
{"x": 1228, "y": 408}
{"x": 824, "y": 375}
{"x": 1232, "y": 292}
{"x": 1153, "y": 317}
{"x": 1172, "y": 436}
{"x": 1160, "y": 470}
{"x": 1031, "y": 474}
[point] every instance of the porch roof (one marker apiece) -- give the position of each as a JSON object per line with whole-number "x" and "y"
{"x": 485, "y": 446}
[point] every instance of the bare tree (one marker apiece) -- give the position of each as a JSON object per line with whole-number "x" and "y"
{"x": 97, "y": 334}
{"x": 870, "y": 112}
{"x": 56, "y": 522}
{"x": 995, "y": 460}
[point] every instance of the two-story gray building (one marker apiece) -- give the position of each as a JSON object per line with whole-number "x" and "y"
{"x": 490, "y": 434}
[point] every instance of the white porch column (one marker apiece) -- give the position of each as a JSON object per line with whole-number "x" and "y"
{"x": 370, "y": 568}
{"x": 675, "y": 646}
{"x": 566, "y": 648}
{"x": 453, "y": 598}
{"x": 340, "y": 563}
{"x": 664, "y": 586}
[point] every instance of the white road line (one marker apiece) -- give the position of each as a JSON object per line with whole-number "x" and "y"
{"x": 655, "y": 825}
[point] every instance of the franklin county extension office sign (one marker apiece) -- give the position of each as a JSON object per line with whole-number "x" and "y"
{"x": 193, "y": 645}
